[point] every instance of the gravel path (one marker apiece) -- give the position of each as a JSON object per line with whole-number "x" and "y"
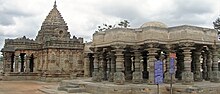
{"x": 24, "y": 87}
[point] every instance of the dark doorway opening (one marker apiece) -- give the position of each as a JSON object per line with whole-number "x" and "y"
{"x": 22, "y": 62}
{"x": 12, "y": 62}
{"x": 91, "y": 65}
{"x": 31, "y": 63}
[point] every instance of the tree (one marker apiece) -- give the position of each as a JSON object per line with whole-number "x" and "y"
{"x": 105, "y": 27}
{"x": 124, "y": 24}
{"x": 217, "y": 24}
{"x": 217, "y": 27}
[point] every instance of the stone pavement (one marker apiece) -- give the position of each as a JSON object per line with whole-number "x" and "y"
{"x": 204, "y": 87}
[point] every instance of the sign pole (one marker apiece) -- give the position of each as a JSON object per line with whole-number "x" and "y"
{"x": 171, "y": 84}
{"x": 158, "y": 89}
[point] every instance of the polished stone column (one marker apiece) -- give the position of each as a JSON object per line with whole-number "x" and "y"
{"x": 137, "y": 74}
{"x": 215, "y": 74}
{"x": 101, "y": 65}
{"x": 108, "y": 60}
{"x": 86, "y": 65}
{"x": 113, "y": 66}
{"x": 204, "y": 66}
{"x": 6, "y": 62}
{"x": 187, "y": 75}
{"x": 197, "y": 73}
{"x": 119, "y": 77}
{"x": 16, "y": 62}
{"x": 209, "y": 64}
{"x": 151, "y": 60}
{"x": 128, "y": 65}
{"x": 167, "y": 76}
{"x": 96, "y": 75}
{"x": 27, "y": 66}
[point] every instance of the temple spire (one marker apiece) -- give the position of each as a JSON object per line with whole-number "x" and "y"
{"x": 55, "y": 4}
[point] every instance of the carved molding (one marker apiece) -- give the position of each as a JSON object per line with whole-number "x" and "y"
{"x": 152, "y": 45}
{"x": 136, "y": 47}
{"x": 118, "y": 46}
{"x": 186, "y": 44}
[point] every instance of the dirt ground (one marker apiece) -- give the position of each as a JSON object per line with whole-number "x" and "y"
{"x": 24, "y": 87}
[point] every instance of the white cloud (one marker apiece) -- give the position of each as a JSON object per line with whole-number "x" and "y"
{"x": 24, "y": 17}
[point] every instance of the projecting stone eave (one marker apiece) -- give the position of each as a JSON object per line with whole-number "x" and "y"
{"x": 192, "y": 27}
{"x": 149, "y": 34}
{"x": 198, "y": 35}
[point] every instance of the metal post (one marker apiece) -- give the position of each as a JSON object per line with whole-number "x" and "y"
{"x": 158, "y": 89}
{"x": 171, "y": 84}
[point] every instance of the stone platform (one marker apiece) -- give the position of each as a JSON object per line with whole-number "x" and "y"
{"x": 88, "y": 86}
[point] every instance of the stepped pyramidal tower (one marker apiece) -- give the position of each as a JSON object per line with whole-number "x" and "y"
{"x": 54, "y": 27}
{"x": 52, "y": 56}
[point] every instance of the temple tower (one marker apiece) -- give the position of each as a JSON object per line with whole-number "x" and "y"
{"x": 54, "y": 27}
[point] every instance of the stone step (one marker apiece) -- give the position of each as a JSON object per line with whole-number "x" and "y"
{"x": 73, "y": 83}
{"x": 76, "y": 90}
{"x": 72, "y": 86}
{"x": 81, "y": 93}
{"x": 64, "y": 88}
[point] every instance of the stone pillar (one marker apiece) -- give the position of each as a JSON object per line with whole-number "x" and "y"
{"x": 167, "y": 76}
{"x": 108, "y": 58}
{"x": 119, "y": 77}
{"x": 187, "y": 75}
{"x": 151, "y": 60}
{"x": 209, "y": 64}
{"x": 204, "y": 66}
{"x": 96, "y": 75}
{"x": 86, "y": 65}
{"x": 137, "y": 74}
{"x": 113, "y": 66}
{"x": 197, "y": 73}
{"x": 215, "y": 74}
{"x": 128, "y": 64}
{"x": 27, "y": 60}
{"x": 16, "y": 62}
{"x": 102, "y": 65}
{"x": 6, "y": 62}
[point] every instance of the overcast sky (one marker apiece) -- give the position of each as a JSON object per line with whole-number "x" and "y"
{"x": 24, "y": 17}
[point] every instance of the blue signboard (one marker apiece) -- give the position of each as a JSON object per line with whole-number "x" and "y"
{"x": 158, "y": 72}
{"x": 172, "y": 66}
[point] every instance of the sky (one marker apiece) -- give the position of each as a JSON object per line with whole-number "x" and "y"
{"x": 24, "y": 17}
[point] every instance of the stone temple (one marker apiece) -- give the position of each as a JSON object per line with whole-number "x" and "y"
{"x": 119, "y": 55}
{"x": 123, "y": 54}
{"x": 53, "y": 55}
